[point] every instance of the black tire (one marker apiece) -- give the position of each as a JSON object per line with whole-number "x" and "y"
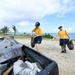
{"x": 32, "y": 42}
{"x": 70, "y": 44}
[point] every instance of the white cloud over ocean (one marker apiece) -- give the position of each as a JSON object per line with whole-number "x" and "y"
{"x": 24, "y": 12}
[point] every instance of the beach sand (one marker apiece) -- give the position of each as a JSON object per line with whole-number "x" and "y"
{"x": 51, "y": 49}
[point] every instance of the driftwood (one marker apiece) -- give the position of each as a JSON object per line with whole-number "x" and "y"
{"x": 8, "y": 71}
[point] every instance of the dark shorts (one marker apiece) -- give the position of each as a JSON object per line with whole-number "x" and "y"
{"x": 63, "y": 42}
{"x": 38, "y": 40}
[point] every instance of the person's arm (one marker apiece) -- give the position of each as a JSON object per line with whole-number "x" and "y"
{"x": 33, "y": 30}
{"x": 55, "y": 36}
{"x": 68, "y": 36}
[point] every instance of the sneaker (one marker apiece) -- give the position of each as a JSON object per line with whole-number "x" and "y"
{"x": 62, "y": 51}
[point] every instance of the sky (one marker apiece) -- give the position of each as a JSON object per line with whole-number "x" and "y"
{"x": 50, "y": 13}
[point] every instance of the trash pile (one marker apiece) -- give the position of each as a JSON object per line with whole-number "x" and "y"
{"x": 25, "y": 68}
{"x": 9, "y": 49}
{"x": 13, "y": 60}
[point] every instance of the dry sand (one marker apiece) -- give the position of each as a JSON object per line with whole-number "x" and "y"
{"x": 51, "y": 49}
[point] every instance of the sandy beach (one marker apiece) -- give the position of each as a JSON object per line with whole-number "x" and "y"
{"x": 51, "y": 49}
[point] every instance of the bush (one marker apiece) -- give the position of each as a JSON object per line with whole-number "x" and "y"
{"x": 47, "y": 36}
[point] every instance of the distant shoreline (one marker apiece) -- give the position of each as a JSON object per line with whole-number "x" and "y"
{"x": 72, "y": 35}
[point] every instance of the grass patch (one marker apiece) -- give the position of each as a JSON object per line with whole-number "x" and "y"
{"x": 16, "y": 36}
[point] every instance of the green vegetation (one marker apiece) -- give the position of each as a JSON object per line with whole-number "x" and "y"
{"x": 14, "y": 28}
{"x": 47, "y": 36}
{"x": 16, "y": 36}
{"x": 25, "y": 35}
{"x": 5, "y": 32}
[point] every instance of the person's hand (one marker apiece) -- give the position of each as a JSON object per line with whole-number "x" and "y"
{"x": 33, "y": 35}
{"x": 69, "y": 39}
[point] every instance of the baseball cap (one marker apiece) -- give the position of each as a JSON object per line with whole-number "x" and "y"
{"x": 59, "y": 27}
{"x": 37, "y": 24}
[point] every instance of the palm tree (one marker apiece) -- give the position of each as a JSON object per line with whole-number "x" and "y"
{"x": 0, "y": 31}
{"x": 14, "y": 28}
{"x": 5, "y": 30}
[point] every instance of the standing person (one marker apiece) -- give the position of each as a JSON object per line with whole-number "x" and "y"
{"x": 38, "y": 33}
{"x": 63, "y": 34}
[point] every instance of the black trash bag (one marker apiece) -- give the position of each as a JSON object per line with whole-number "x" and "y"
{"x": 33, "y": 41}
{"x": 70, "y": 44}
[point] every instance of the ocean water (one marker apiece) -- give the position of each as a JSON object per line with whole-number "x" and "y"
{"x": 72, "y": 35}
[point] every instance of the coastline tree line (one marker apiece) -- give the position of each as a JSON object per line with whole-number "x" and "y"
{"x": 5, "y": 30}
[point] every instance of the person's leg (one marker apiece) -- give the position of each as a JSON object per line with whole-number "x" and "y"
{"x": 37, "y": 47}
{"x": 38, "y": 41}
{"x": 63, "y": 49}
{"x": 63, "y": 45}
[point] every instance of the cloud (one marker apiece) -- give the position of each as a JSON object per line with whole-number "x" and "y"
{"x": 33, "y": 9}
{"x": 71, "y": 29}
{"x": 24, "y": 12}
{"x": 24, "y": 23}
{"x": 66, "y": 6}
